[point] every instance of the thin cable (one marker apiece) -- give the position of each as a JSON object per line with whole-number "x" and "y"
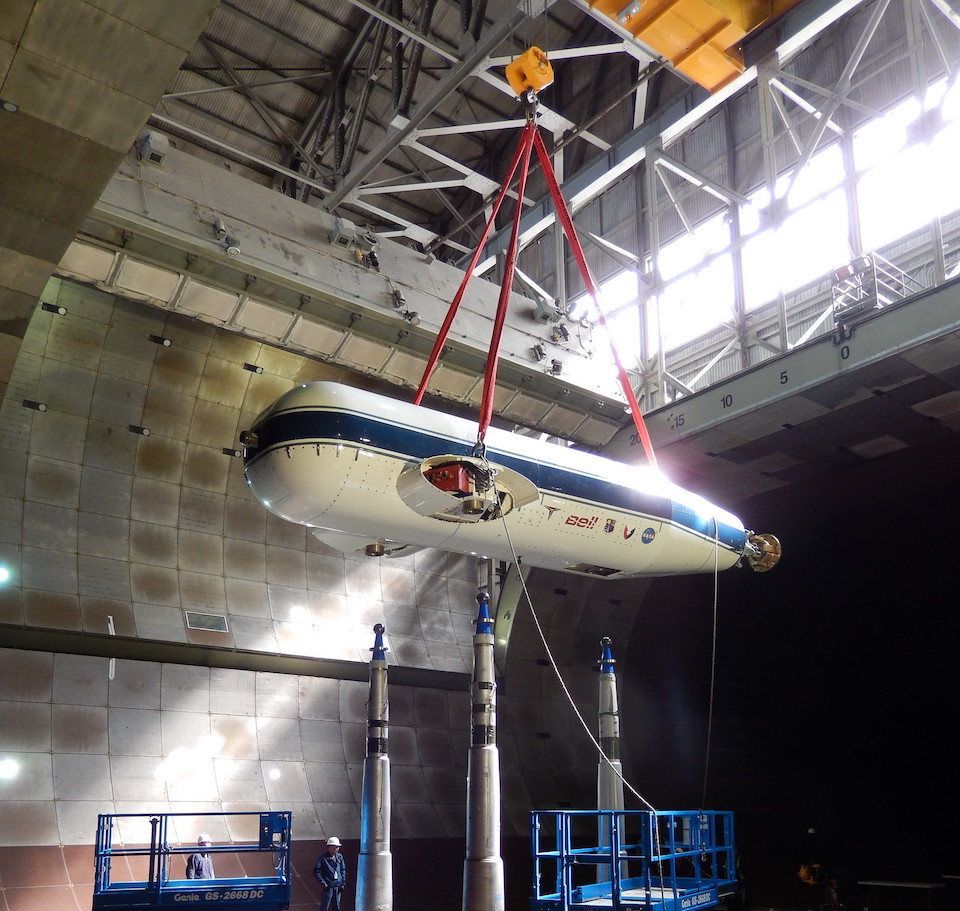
{"x": 563, "y": 686}
{"x": 556, "y": 670}
{"x": 713, "y": 657}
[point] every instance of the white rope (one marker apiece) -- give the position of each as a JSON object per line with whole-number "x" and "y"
{"x": 566, "y": 691}
{"x": 713, "y": 657}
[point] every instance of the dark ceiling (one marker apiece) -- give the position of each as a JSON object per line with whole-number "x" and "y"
{"x": 399, "y": 116}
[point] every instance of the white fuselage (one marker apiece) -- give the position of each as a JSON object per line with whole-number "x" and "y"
{"x": 335, "y": 458}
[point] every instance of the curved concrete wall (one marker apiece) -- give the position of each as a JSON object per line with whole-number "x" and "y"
{"x": 102, "y": 524}
{"x": 100, "y": 521}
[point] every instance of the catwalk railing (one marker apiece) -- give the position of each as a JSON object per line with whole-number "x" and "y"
{"x": 669, "y": 860}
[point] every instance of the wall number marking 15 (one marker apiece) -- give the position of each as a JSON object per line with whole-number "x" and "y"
{"x": 675, "y": 419}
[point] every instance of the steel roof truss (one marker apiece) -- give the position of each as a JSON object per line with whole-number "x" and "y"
{"x": 265, "y": 114}
{"x": 161, "y": 120}
{"x": 800, "y": 102}
{"x": 702, "y": 182}
{"x": 841, "y": 89}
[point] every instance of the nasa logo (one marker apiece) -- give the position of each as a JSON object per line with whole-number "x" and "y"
{"x": 648, "y": 535}
{"x": 610, "y": 526}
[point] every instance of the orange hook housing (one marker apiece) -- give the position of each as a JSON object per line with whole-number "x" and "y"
{"x": 531, "y": 70}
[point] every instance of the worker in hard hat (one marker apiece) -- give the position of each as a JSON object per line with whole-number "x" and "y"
{"x": 331, "y": 872}
{"x": 200, "y": 864}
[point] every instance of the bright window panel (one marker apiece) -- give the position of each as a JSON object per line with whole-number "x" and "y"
{"x": 696, "y": 303}
{"x": 896, "y": 197}
{"x": 809, "y": 245}
{"x": 618, "y": 300}
{"x": 688, "y": 250}
{"x": 884, "y": 137}
{"x": 944, "y": 155}
{"x": 907, "y": 186}
{"x": 823, "y": 171}
{"x": 624, "y": 329}
{"x": 616, "y": 292}
{"x": 951, "y": 101}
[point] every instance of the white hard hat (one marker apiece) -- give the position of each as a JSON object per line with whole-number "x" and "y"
{"x": 333, "y": 840}
{"x": 203, "y": 840}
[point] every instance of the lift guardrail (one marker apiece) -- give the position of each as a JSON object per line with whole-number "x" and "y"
{"x": 133, "y": 872}
{"x": 668, "y": 860}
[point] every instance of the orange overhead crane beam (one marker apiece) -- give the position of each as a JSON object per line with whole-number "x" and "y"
{"x": 700, "y": 38}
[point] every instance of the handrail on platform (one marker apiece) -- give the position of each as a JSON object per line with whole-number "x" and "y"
{"x": 665, "y": 860}
{"x": 118, "y": 887}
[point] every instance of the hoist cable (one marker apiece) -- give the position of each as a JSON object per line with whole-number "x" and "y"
{"x": 713, "y": 658}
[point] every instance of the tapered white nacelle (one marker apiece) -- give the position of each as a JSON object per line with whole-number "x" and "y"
{"x": 367, "y": 472}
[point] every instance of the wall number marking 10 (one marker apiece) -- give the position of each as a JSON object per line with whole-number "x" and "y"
{"x": 675, "y": 419}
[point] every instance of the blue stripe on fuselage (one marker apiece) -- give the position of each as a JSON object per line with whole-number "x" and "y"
{"x": 305, "y": 426}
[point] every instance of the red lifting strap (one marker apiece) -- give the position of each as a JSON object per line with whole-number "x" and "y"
{"x": 530, "y": 138}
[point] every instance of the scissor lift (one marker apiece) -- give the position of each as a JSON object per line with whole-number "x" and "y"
{"x": 668, "y": 860}
{"x": 150, "y": 873}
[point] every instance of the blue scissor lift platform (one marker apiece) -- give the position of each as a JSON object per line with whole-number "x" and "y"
{"x": 665, "y": 860}
{"x": 137, "y": 867}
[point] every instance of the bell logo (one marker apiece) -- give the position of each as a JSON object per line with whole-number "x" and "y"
{"x": 581, "y": 521}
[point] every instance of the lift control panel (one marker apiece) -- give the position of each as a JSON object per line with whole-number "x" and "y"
{"x": 142, "y": 861}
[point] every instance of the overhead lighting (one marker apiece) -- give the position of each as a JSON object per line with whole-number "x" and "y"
{"x": 9, "y": 106}
{"x": 36, "y": 406}
{"x": 161, "y": 340}
{"x": 230, "y": 246}
{"x": 54, "y": 308}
